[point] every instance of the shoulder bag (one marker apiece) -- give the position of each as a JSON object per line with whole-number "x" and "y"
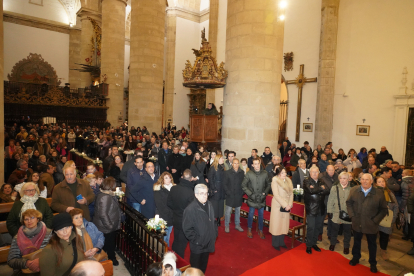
{"x": 342, "y": 214}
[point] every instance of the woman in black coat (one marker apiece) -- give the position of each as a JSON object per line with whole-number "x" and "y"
{"x": 232, "y": 181}
{"x": 174, "y": 163}
{"x": 215, "y": 186}
{"x": 115, "y": 169}
{"x": 198, "y": 167}
{"x": 188, "y": 159}
{"x": 161, "y": 190}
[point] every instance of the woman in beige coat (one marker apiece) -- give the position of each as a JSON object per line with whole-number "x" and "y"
{"x": 282, "y": 188}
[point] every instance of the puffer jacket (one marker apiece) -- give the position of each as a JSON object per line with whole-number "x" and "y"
{"x": 314, "y": 197}
{"x": 256, "y": 185}
{"x": 366, "y": 212}
{"x": 407, "y": 187}
{"x": 107, "y": 213}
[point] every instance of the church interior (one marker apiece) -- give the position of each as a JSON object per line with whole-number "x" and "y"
{"x": 318, "y": 71}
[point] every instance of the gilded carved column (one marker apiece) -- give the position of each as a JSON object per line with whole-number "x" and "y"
{"x": 254, "y": 44}
{"x": 1, "y": 96}
{"x": 212, "y": 38}
{"x": 147, "y": 64}
{"x": 170, "y": 66}
{"x": 326, "y": 75}
{"x": 113, "y": 53}
{"x": 90, "y": 9}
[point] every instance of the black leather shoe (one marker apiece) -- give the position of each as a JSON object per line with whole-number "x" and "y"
{"x": 332, "y": 247}
{"x": 276, "y": 247}
{"x": 374, "y": 269}
{"x": 309, "y": 250}
{"x": 316, "y": 248}
{"x": 218, "y": 222}
{"x": 353, "y": 262}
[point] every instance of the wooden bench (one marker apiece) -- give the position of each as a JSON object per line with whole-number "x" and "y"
{"x": 4, "y": 250}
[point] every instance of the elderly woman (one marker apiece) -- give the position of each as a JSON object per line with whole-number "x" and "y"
{"x": 32, "y": 236}
{"x": 108, "y": 216}
{"x": 93, "y": 240}
{"x": 29, "y": 199}
{"x": 65, "y": 248}
{"x": 161, "y": 190}
{"x": 385, "y": 232}
{"x": 339, "y": 191}
{"x": 282, "y": 202}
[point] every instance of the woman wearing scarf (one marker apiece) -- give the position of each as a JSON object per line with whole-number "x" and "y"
{"x": 93, "y": 240}
{"x": 29, "y": 199}
{"x": 198, "y": 168}
{"x": 32, "y": 236}
{"x": 215, "y": 186}
{"x": 108, "y": 216}
{"x": 385, "y": 232}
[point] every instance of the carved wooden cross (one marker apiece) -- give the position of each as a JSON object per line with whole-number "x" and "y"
{"x": 300, "y": 82}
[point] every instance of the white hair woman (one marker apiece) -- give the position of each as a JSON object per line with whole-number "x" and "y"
{"x": 29, "y": 199}
{"x": 336, "y": 203}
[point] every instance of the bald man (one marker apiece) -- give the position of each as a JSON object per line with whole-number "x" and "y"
{"x": 88, "y": 268}
{"x": 329, "y": 177}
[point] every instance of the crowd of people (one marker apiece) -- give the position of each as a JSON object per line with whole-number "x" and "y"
{"x": 194, "y": 189}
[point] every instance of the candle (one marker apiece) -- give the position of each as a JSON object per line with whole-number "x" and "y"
{"x": 83, "y": 152}
{"x": 117, "y": 190}
{"x": 157, "y": 218}
{"x": 97, "y": 159}
{"x": 298, "y": 186}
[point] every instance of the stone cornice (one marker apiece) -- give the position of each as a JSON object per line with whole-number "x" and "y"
{"x": 189, "y": 14}
{"x": 40, "y": 23}
{"x": 83, "y": 13}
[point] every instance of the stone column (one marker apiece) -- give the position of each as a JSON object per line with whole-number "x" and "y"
{"x": 170, "y": 66}
{"x": 75, "y": 57}
{"x": 113, "y": 52}
{"x": 88, "y": 9}
{"x": 326, "y": 75}
{"x": 147, "y": 64}
{"x": 212, "y": 39}
{"x": 254, "y": 45}
{"x": 1, "y": 96}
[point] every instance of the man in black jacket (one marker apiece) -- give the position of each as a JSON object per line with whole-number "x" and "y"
{"x": 178, "y": 199}
{"x": 108, "y": 160}
{"x": 315, "y": 191}
{"x": 233, "y": 179}
{"x": 163, "y": 156}
{"x": 383, "y": 155}
{"x": 200, "y": 228}
{"x": 175, "y": 161}
{"x": 329, "y": 177}
{"x": 267, "y": 156}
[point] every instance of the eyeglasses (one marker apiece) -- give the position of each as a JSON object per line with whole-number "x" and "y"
{"x": 30, "y": 191}
{"x": 203, "y": 194}
{"x": 28, "y": 219}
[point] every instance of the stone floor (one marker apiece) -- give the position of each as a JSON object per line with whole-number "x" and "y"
{"x": 399, "y": 263}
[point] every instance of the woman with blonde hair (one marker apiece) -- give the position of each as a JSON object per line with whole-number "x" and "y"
{"x": 384, "y": 232}
{"x": 29, "y": 199}
{"x": 161, "y": 190}
{"x": 282, "y": 202}
{"x": 215, "y": 186}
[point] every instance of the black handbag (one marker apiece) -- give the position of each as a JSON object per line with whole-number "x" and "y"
{"x": 342, "y": 214}
{"x": 283, "y": 210}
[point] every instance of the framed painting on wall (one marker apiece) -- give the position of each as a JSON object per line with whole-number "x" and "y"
{"x": 307, "y": 127}
{"x": 362, "y": 130}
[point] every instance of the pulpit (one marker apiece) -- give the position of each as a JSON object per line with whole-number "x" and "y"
{"x": 204, "y": 128}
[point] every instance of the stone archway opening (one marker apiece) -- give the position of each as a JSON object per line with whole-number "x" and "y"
{"x": 283, "y": 110}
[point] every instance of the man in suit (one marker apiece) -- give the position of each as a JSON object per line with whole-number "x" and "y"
{"x": 178, "y": 199}
{"x": 300, "y": 174}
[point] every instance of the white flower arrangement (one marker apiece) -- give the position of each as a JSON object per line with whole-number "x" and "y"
{"x": 119, "y": 193}
{"x": 73, "y": 150}
{"x": 153, "y": 159}
{"x": 97, "y": 161}
{"x": 298, "y": 191}
{"x": 409, "y": 274}
{"x": 156, "y": 223}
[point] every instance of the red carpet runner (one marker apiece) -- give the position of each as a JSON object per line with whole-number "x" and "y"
{"x": 236, "y": 253}
{"x": 298, "y": 262}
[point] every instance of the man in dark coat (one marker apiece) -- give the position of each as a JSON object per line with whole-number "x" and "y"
{"x": 314, "y": 191}
{"x": 267, "y": 156}
{"x": 383, "y": 155}
{"x": 366, "y": 207}
{"x": 133, "y": 180}
{"x": 232, "y": 181}
{"x": 174, "y": 163}
{"x": 109, "y": 159}
{"x": 200, "y": 228}
{"x": 300, "y": 174}
{"x": 250, "y": 159}
{"x": 329, "y": 177}
{"x": 128, "y": 165}
{"x": 256, "y": 184}
{"x": 276, "y": 160}
{"x": 284, "y": 149}
{"x": 145, "y": 192}
{"x": 178, "y": 199}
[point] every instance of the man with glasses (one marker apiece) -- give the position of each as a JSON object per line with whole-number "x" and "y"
{"x": 200, "y": 228}
{"x": 22, "y": 165}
